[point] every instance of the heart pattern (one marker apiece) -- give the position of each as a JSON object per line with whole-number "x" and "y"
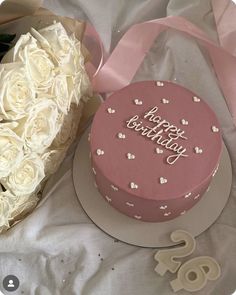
{"x": 196, "y": 197}
{"x": 100, "y": 152}
{"x": 198, "y": 150}
{"x": 129, "y": 204}
{"x": 138, "y": 217}
{"x": 121, "y": 135}
{"x": 159, "y": 84}
{"x": 108, "y": 199}
{"x": 159, "y": 151}
{"x": 130, "y": 156}
{"x": 214, "y": 129}
{"x": 163, "y": 207}
{"x": 187, "y": 195}
{"x": 94, "y": 171}
{"x": 184, "y": 122}
{"x": 183, "y": 212}
{"x": 162, "y": 180}
{"x": 111, "y": 111}
{"x": 196, "y": 99}
{"x": 165, "y": 101}
{"x": 133, "y": 185}
{"x": 167, "y": 213}
{"x": 138, "y": 102}
{"x": 114, "y": 187}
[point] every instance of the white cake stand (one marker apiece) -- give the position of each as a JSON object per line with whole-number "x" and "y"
{"x": 148, "y": 234}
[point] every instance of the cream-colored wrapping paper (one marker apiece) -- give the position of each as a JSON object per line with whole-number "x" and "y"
{"x": 12, "y": 9}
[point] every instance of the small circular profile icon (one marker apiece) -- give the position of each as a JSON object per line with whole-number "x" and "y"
{"x": 11, "y": 283}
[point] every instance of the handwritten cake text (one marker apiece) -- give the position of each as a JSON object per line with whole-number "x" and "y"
{"x": 157, "y": 133}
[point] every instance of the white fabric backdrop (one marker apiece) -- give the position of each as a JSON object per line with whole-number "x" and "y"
{"x": 57, "y": 250}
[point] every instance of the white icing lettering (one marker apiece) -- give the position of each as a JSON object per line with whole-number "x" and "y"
{"x": 172, "y": 132}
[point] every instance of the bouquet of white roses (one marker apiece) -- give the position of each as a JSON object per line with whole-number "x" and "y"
{"x": 43, "y": 84}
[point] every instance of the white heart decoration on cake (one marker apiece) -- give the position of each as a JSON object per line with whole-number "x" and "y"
{"x": 114, "y": 187}
{"x": 187, "y": 195}
{"x": 137, "y": 216}
{"x": 108, "y": 199}
{"x": 163, "y": 207}
{"x": 133, "y": 185}
{"x": 198, "y": 150}
{"x": 167, "y": 214}
{"x": 196, "y": 197}
{"x": 159, "y": 84}
{"x": 94, "y": 171}
{"x": 130, "y": 156}
{"x": 215, "y": 129}
{"x": 129, "y": 204}
{"x": 196, "y": 99}
{"x": 121, "y": 135}
{"x": 165, "y": 101}
{"x": 111, "y": 111}
{"x": 183, "y": 212}
{"x": 138, "y": 102}
{"x": 159, "y": 151}
{"x": 100, "y": 152}
{"x": 163, "y": 180}
{"x": 184, "y": 122}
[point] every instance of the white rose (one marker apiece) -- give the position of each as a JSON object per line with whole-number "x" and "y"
{"x": 14, "y": 207}
{"x": 40, "y": 127}
{"x": 61, "y": 93}
{"x": 56, "y": 41}
{"x": 7, "y": 203}
{"x": 38, "y": 63}
{"x": 26, "y": 176}
{"x": 11, "y": 150}
{"x": 17, "y": 91}
{"x": 82, "y": 88}
{"x": 68, "y": 131}
{"x": 66, "y": 50}
{"x": 82, "y": 83}
{"x": 52, "y": 159}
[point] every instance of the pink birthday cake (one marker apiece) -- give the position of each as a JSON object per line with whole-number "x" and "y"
{"x": 155, "y": 147}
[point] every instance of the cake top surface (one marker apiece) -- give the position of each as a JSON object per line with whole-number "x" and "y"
{"x": 156, "y": 139}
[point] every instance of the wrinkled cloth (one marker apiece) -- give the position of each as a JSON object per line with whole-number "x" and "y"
{"x": 57, "y": 250}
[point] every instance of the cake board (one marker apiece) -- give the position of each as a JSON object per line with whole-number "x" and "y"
{"x": 148, "y": 234}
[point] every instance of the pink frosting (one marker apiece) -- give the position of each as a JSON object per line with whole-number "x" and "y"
{"x": 146, "y": 186}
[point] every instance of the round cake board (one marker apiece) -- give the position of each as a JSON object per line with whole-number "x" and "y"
{"x": 148, "y": 234}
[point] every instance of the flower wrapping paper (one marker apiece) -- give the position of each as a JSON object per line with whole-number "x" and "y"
{"x": 44, "y": 89}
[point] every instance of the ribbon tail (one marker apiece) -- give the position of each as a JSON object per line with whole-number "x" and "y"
{"x": 126, "y": 58}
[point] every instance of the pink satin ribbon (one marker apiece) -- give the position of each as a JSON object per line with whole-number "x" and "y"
{"x": 94, "y": 45}
{"x": 225, "y": 18}
{"x": 124, "y": 61}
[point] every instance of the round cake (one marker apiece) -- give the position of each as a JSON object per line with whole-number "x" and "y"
{"x": 155, "y": 147}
